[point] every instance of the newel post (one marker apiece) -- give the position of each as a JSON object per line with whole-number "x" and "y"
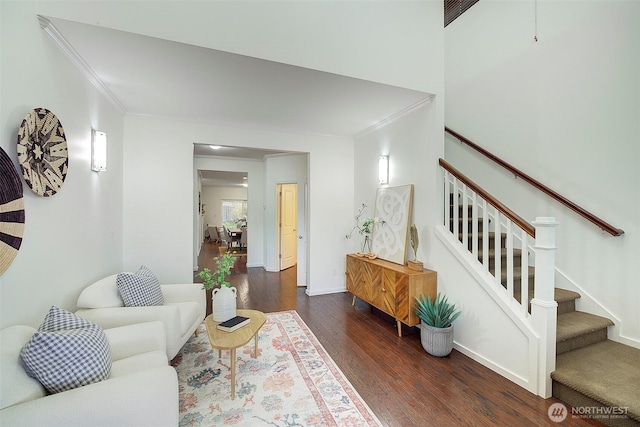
{"x": 544, "y": 308}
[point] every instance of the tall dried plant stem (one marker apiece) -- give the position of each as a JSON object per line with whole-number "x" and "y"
{"x": 415, "y": 241}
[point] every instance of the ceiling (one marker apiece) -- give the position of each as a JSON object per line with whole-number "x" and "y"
{"x": 154, "y": 77}
{"x": 229, "y": 179}
{"x": 223, "y": 179}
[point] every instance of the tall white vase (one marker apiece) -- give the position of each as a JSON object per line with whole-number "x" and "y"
{"x": 224, "y": 303}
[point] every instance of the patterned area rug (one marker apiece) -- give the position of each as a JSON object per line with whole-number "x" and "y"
{"x": 292, "y": 382}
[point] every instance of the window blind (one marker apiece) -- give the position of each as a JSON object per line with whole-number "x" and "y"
{"x": 455, "y": 8}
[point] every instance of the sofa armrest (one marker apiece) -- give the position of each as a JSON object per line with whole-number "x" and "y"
{"x": 146, "y": 398}
{"x": 130, "y": 340}
{"x": 185, "y": 292}
{"x": 113, "y": 317}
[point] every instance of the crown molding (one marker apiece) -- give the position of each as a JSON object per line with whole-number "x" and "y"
{"x": 236, "y": 125}
{"x": 64, "y": 45}
{"x": 384, "y": 122}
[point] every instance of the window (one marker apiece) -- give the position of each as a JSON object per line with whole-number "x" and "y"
{"x": 455, "y": 8}
{"x": 233, "y": 211}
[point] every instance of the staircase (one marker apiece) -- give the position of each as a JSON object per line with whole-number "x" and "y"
{"x": 593, "y": 373}
{"x": 598, "y": 377}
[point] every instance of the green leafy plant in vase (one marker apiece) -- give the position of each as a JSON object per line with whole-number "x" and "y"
{"x": 224, "y": 296}
{"x": 365, "y": 229}
{"x": 436, "y": 324}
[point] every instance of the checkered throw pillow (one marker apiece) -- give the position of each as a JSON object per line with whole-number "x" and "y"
{"x": 139, "y": 289}
{"x": 67, "y": 352}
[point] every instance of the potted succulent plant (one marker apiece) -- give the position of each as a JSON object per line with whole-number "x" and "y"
{"x": 224, "y": 297}
{"x": 436, "y": 324}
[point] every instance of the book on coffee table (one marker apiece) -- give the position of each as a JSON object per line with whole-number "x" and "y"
{"x": 233, "y": 323}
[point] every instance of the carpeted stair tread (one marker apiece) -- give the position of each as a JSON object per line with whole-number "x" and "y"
{"x": 503, "y": 252}
{"x": 562, "y": 295}
{"x": 517, "y": 274}
{"x": 608, "y": 372}
{"x": 576, "y": 323}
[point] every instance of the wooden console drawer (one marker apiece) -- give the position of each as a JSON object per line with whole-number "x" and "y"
{"x": 389, "y": 287}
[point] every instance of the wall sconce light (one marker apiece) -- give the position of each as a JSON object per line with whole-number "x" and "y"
{"x": 383, "y": 169}
{"x": 98, "y": 150}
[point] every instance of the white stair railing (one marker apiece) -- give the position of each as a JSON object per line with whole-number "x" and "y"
{"x": 470, "y": 217}
{"x": 464, "y": 204}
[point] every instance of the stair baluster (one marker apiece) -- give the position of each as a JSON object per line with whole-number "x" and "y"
{"x": 568, "y": 362}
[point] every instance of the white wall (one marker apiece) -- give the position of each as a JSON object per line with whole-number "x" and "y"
{"x": 254, "y": 195}
{"x": 165, "y": 239}
{"x": 74, "y": 237}
{"x": 414, "y": 141}
{"x": 413, "y": 144}
{"x": 565, "y": 110}
{"x": 289, "y": 169}
{"x": 390, "y": 42}
{"x": 212, "y": 197}
{"x": 398, "y": 43}
{"x": 385, "y": 42}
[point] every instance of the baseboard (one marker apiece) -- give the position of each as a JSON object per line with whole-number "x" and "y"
{"x": 256, "y": 265}
{"x": 529, "y": 385}
{"x": 326, "y": 291}
{"x": 589, "y": 304}
{"x": 507, "y": 305}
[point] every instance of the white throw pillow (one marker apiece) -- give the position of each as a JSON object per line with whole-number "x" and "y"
{"x": 140, "y": 289}
{"x": 67, "y": 352}
{"x": 101, "y": 294}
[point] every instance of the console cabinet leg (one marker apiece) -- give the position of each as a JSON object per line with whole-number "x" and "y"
{"x": 399, "y": 328}
{"x": 353, "y": 301}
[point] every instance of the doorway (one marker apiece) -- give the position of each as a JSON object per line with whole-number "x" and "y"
{"x": 287, "y": 220}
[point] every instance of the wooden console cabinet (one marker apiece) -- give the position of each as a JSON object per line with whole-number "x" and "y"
{"x": 389, "y": 287}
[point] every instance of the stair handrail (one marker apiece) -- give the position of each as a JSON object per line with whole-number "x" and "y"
{"x": 518, "y": 220}
{"x": 603, "y": 225}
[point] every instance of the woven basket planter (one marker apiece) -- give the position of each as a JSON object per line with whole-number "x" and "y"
{"x": 436, "y": 341}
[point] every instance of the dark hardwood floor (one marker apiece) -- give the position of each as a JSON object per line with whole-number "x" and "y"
{"x": 401, "y": 383}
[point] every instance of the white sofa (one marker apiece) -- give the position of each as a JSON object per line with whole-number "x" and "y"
{"x": 142, "y": 389}
{"x": 183, "y": 310}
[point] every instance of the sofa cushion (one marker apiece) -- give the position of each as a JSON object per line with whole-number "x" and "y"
{"x": 139, "y": 289}
{"x": 190, "y": 313}
{"x": 101, "y": 294}
{"x": 15, "y": 385}
{"x": 138, "y": 362}
{"x": 67, "y": 352}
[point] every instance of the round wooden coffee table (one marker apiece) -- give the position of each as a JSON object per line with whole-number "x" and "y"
{"x": 231, "y": 340}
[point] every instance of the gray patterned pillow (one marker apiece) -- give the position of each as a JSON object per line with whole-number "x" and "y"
{"x": 139, "y": 289}
{"x": 67, "y": 352}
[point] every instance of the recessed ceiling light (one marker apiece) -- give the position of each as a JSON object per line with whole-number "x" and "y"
{"x": 215, "y": 147}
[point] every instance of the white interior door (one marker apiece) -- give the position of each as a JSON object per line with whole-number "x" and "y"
{"x": 288, "y": 223}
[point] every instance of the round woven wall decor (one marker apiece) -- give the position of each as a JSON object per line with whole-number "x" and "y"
{"x": 42, "y": 152}
{"x": 11, "y": 212}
